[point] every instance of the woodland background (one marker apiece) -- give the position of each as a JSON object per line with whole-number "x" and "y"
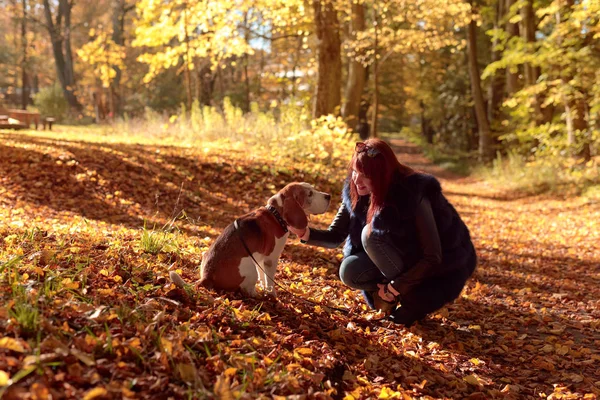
{"x": 494, "y": 79}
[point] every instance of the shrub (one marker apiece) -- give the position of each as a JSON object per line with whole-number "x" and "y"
{"x": 50, "y": 101}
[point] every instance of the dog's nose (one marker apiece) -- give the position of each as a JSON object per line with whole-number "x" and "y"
{"x": 327, "y": 197}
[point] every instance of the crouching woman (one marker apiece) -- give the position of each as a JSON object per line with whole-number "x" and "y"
{"x": 406, "y": 246}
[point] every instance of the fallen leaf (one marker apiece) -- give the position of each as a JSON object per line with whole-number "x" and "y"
{"x": 94, "y": 393}
{"x": 11, "y": 344}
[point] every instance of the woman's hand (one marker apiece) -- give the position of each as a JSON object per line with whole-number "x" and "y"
{"x": 302, "y": 234}
{"x": 387, "y": 292}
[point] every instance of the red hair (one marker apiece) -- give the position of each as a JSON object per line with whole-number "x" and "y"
{"x": 377, "y": 161}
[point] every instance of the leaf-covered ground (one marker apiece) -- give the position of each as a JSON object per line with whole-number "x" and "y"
{"x": 87, "y": 310}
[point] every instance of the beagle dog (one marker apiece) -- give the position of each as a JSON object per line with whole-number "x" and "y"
{"x": 227, "y": 265}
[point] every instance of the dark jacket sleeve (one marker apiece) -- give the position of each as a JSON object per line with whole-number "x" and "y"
{"x": 335, "y": 235}
{"x": 429, "y": 239}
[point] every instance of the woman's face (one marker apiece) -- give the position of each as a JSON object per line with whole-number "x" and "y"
{"x": 363, "y": 184}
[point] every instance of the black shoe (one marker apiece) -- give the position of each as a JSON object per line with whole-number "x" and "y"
{"x": 368, "y": 296}
{"x": 377, "y": 303}
{"x": 401, "y": 316}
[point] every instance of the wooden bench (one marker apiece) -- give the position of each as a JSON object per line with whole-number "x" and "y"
{"x": 9, "y": 123}
{"x": 48, "y": 121}
{"x": 26, "y": 117}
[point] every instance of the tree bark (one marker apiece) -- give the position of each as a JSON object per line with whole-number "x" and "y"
{"x": 246, "y": 106}
{"x": 576, "y": 108}
{"x": 187, "y": 62}
{"x": 119, "y": 12}
{"x": 24, "y": 44}
{"x": 512, "y": 78}
{"x": 206, "y": 83}
{"x": 485, "y": 142}
{"x": 329, "y": 81}
{"x": 63, "y": 59}
{"x": 528, "y": 33}
{"x": 496, "y": 85}
{"x": 374, "y": 118}
{"x": 357, "y": 72}
{"x": 426, "y": 129}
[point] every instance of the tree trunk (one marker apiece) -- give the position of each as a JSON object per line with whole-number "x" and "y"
{"x": 496, "y": 86}
{"x": 426, "y": 129}
{"x": 485, "y": 142}
{"x": 374, "y": 115}
{"x": 24, "y": 44}
{"x": 295, "y": 65}
{"x": 329, "y": 81}
{"x": 357, "y": 73}
{"x": 119, "y": 11}
{"x": 187, "y": 62}
{"x": 60, "y": 37}
{"x": 512, "y": 78}
{"x": 576, "y": 108}
{"x": 207, "y": 83}
{"x": 532, "y": 72}
{"x": 528, "y": 33}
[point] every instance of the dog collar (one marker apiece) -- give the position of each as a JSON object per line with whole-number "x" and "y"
{"x": 278, "y": 217}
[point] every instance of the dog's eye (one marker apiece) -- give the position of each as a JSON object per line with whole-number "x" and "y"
{"x": 310, "y": 193}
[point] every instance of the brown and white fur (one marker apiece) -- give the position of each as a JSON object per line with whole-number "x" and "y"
{"x": 227, "y": 266}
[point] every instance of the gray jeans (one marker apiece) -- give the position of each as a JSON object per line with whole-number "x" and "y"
{"x": 381, "y": 262}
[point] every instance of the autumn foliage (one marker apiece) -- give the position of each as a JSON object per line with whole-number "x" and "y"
{"x": 90, "y": 227}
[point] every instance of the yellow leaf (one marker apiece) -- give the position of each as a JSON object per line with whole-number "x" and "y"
{"x": 305, "y": 351}
{"x": 135, "y": 343}
{"x": 222, "y": 389}
{"x": 472, "y": 380}
{"x": 387, "y": 393}
{"x": 230, "y": 372}
{"x": 4, "y": 378}
{"x": 103, "y": 272}
{"x": 166, "y": 345}
{"x": 75, "y": 249}
{"x": 11, "y": 344}
{"x": 95, "y": 392}
{"x": 68, "y": 283}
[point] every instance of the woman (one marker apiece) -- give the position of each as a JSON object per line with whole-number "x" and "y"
{"x": 405, "y": 243}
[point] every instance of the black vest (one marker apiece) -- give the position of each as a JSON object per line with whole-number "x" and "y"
{"x": 397, "y": 219}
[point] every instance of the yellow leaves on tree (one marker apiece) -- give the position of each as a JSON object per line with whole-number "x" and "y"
{"x": 405, "y": 26}
{"x": 193, "y": 34}
{"x": 193, "y": 31}
{"x": 104, "y": 55}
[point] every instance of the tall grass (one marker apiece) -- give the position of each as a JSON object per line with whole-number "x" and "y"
{"x": 552, "y": 173}
{"x": 545, "y": 171}
{"x": 283, "y": 132}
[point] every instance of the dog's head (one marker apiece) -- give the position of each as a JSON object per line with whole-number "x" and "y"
{"x": 299, "y": 199}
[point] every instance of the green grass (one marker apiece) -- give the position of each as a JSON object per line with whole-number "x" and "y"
{"x": 153, "y": 241}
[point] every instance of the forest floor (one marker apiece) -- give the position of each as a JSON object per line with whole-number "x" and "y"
{"x": 87, "y": 310}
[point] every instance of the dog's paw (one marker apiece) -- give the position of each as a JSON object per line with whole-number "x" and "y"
{"x": 271, "y": 292}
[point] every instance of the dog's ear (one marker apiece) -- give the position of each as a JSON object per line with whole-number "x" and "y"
{"x": 293, "y": 213}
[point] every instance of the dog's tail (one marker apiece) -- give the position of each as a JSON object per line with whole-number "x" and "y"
{"x": 180, "y": 283}
{"x": 177, "y": 280}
